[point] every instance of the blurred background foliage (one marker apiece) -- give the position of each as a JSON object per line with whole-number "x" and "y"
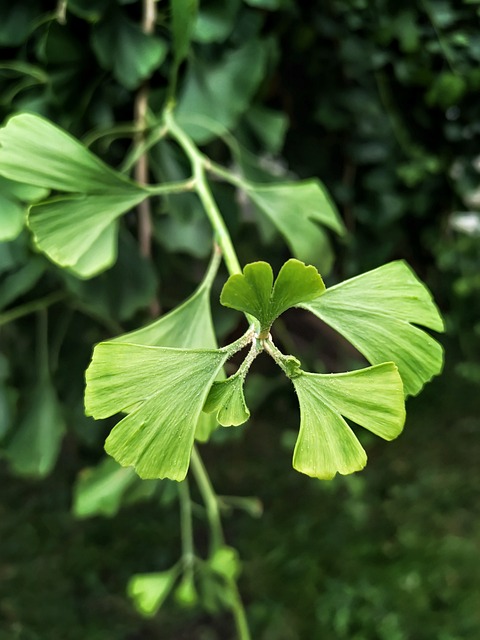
{"x": 380, "y": 101}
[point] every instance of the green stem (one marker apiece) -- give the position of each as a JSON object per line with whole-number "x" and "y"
{"x": 210, "y": 499}
{"x": 31, "y": 307}
{"x": 188, "y": 554}
{"x": 170, "y": 187}
{"x": 217, "y": 540}
{"x": 42, "y": 345}
{"x": 203, "y": 190}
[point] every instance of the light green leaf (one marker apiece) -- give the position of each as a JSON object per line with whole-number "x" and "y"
{"x": 167, "y": 388}
{"x": 371, "y": 397}
{"x": 226, "y": 563}
{"x": 252, "y": 293}
{"x": 149, "y": 590}
{"x": 374, "y": 311}
{"x": 78, "y": 231}
{"x": 34, "y": 446}
{"x": 100, "y": 490}
{"x": 184, "y": 14}
{"x": 122, "y": 47}
{"x": 35, "y": 151}
{"x": 188, "y": 326}
{"x": 296, "y": 209}
{"x": 186, "y": 594}
{"x": 226, "y": 398}
{"x": 220, "y": 91}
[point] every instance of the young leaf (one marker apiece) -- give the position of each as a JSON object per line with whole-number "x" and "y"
{"x": 149, "y": 590}
{"x": 79, "y": 231}
{"x": 35, "y": 151}
{"x": 376, "y": 312}
{"x": 371, "y": 397}
{"x": 296, "y": 209}
{"x": 34, "y": 446}
{"x": 226, "y": 398}
{"x": 184, "y": 14}
{"x": 252, "y": 293}
{"x": 167, "y": 389}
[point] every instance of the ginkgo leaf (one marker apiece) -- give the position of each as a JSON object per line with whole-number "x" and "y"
{"x": 35, "y": 444}
{"x": 188, "y": 326}
{"x": 371, "y": 397}
{"x": 35, "y": 151}
{"x": 79, "y": 231}
{"x": 227, "y": 399}
{"x": 376, "y": 312}
{"x": 297, "y": 209}
{"x": 149, "y": 590}
{"x": 184, "y": 15}
{"x": 167, "y": 388}
{"x": 252, "y": 293}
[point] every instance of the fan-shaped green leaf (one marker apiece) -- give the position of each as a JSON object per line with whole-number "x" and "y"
{"x": 35, "y": 151}
{"x": 375, "y": 312}
{"x": 296, "y": 209}
{"x": 226, "y": 398}
{"x": 371, "y": 397}
{"x": 167, "y": 388}
{"x": 79, "y": 231}
{"x": 252, "y": 293}
{"x": 149, "y": 590}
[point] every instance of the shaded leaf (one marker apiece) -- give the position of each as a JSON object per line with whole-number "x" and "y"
{"x": 375, "y": 312}
{"x": 100, "y": 490}
{"x": 167, "y": 388}
{"x": 34, "y": 445}
{"x": 184, "y": 14}
{"x": 226, "y": 563}
{"x": 122, "y": 47}
{"x": 296, "y": 209}
{"x": 220, "y": 91}
{"x": 215, "y": 21}
{"x": 371, "y": 397}
{"x": 13, "y": 211}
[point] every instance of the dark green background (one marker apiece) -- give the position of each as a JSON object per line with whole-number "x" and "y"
{"x": 382, "y": 104}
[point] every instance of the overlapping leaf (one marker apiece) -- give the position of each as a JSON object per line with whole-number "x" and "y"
{"x": 188, "y": 326}
{"x": 377, "y": 311}
{"x": 167, "y": 388}
{"x": 252, "y": 292}
{"x": 13, "y": 210}
{"x": 227, "y": 400}
{"x": 372, "y": 397}
{"x": 76, "y": 231}
{"x": 297, "y": 209}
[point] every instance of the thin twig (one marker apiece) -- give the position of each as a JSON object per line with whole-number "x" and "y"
{"x": 145, "y": 230}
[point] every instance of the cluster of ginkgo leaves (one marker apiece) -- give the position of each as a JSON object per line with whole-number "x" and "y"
{"x": 168, "y": 386}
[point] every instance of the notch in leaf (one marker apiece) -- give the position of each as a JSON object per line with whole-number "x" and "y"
{"x": 377, "y": 312}
{"x": 252, "y": 291}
